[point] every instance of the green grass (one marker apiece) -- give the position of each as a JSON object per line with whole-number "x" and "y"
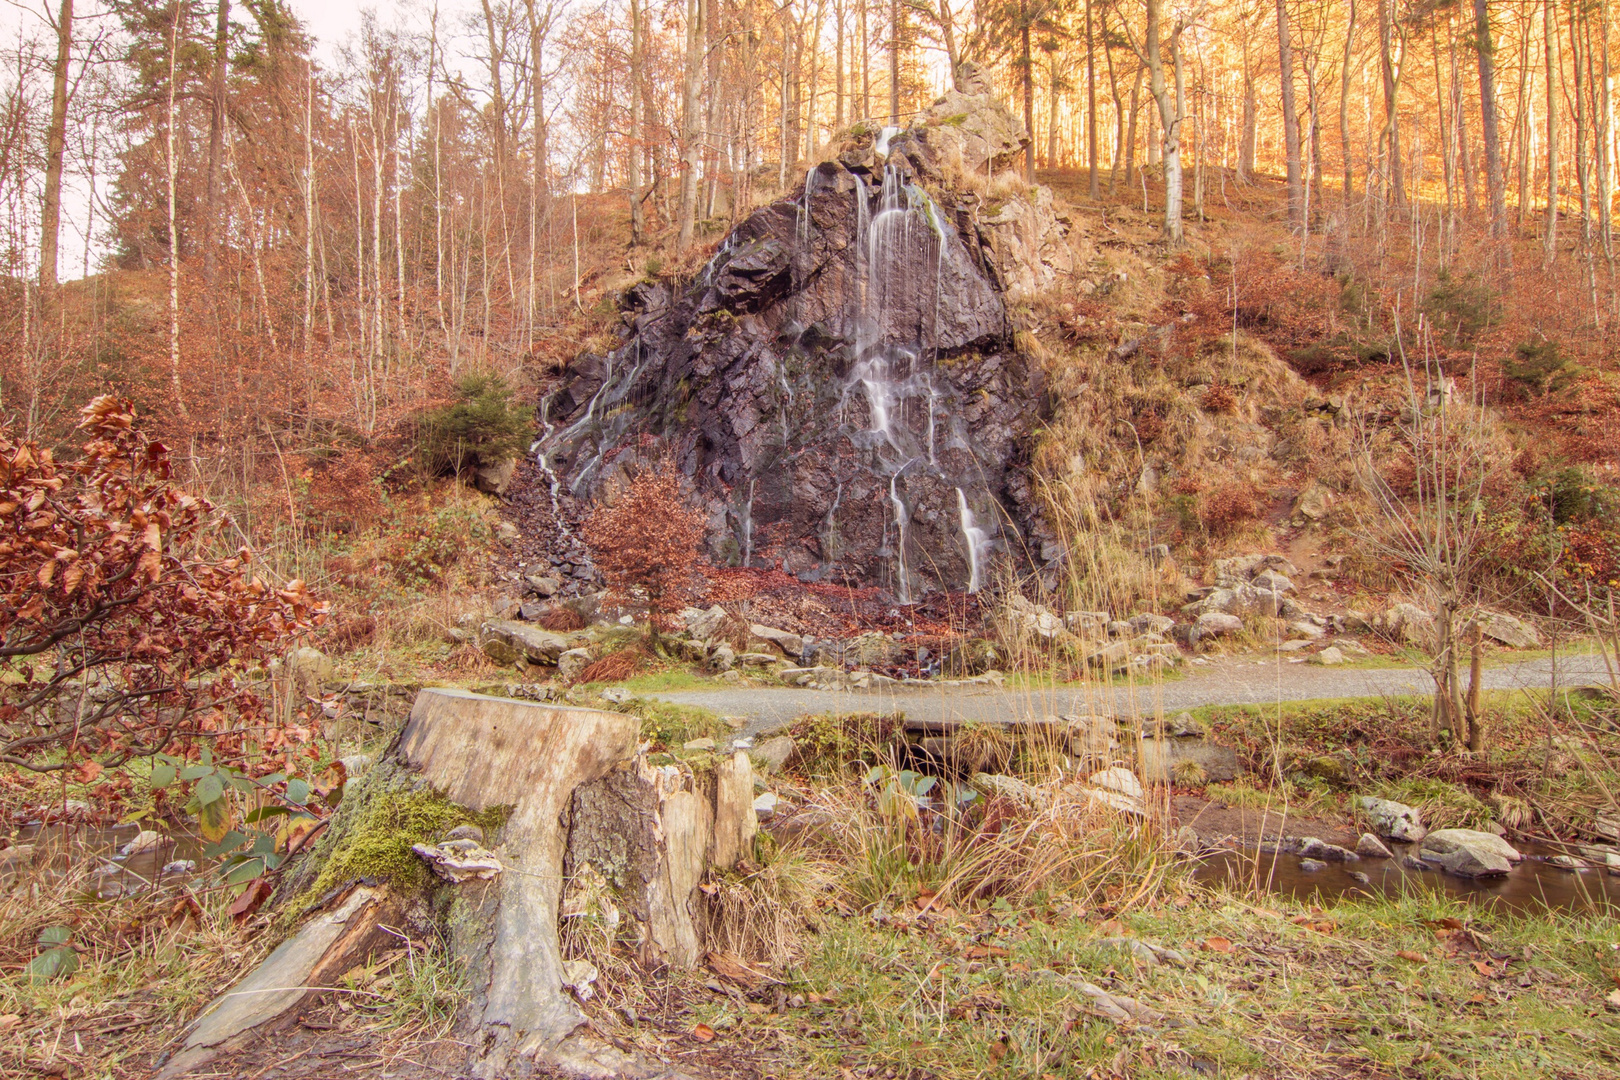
{"x": 1330, "y": 995}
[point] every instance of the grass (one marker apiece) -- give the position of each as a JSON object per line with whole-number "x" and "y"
{"x": 1410, "y": 987}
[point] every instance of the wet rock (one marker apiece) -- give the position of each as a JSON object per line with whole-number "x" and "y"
{"x": 1412, "y": 862}
{"x": 1187, "y": 842}
{"x": 1311, "y": 866}
{"x": 1370, "y": 847}
{"x": 1468, "y": 852}
{"x": 1393, "y": 820}
{"x": 1315, "y": 848}
{"x": 1358, "y": 877}
{"x": 180, "y": 866}
{"x": 1567, "y": 862}
{"x": 505, "y": 642}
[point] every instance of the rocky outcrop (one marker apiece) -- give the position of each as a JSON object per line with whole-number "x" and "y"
{"x": 839, "y": 383}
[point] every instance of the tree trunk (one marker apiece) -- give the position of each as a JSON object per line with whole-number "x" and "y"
{"x": 1130, "y": 138}
{"x": 638, "y": 218}
{"x": 1027, "y": 73}
{"x": 1550, "y": 32}
{"x": 894, "y": 65}
{"x": 55, "y": 146}
{"x": 216, "y": 135}
{"x": 1250, "y": 119}
{"x": 1285, "y": 68}
{"x": 691, "y": 122}
{"x": 175, "y": 382}
{"x": 1494, "y": 185}
{"x": 838, "y": 66}
{"x": 1119, "y": 105}
{"x": 1091, "y": 107}
{"x": 1390, "y": 137}
{"x": 1344, "y": 103}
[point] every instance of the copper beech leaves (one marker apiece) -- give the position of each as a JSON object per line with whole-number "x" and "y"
{"x": 111, "y": 582}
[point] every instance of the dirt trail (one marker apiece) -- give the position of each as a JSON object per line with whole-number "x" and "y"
{"x": 1226, "y": 681}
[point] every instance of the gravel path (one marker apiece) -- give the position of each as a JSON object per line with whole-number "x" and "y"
{"x": 1226, "y": 681}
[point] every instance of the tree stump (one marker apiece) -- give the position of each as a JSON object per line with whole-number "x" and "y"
{"x": 576, "y": 792}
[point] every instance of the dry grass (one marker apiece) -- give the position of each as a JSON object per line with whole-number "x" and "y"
{"x": 613, "y": 667}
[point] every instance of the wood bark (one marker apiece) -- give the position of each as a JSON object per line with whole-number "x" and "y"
{"x": 216, "y": 136}
{"x": 638, "y": 220}
{"x": 55, "y": 146}
{"x": 691, "y": 122}
{"x": 1285, "y": 68}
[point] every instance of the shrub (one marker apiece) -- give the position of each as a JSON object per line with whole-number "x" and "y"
{"x": 1460, "y": 306}
{"x": 648, "y": 539}
{"x": 1229, "y": 506}
{"x": 118, "y": 625}
{"x": 482, "y": 426}
{"x": 1540, "y": 366}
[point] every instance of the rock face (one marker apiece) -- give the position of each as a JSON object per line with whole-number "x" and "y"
{"x": 1469, "y": 853}
{"x": 839, "y": 384}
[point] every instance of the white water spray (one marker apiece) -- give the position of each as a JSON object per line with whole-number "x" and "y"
{"x": 977, "y": 539}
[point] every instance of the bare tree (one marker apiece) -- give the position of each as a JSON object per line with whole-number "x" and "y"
{"x": 55, "y": 142}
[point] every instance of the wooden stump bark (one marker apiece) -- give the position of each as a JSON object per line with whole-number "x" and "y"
{"x": 577, "y": 793}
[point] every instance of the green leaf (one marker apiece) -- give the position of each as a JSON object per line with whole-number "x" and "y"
{"x": 210, "y": 789}
{"x": 55, "y": 935}
{"x": 240, "y": 782}
{"x": 53, "y": 964}
{"x": 246, "y": 871}
{"x": 229, "y": 842}
{"x": 207, "y": 755}
{"x": 298, "y": 792}
{"x": 263, "y": 812}
{"x": 195, "y": 772}
{"x": 264, "y": 844}
{"x": 162, "y": 776}
{"x": 214, "y": 819}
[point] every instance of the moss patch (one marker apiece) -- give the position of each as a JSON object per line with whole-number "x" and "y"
{"x": 377, "y": 843}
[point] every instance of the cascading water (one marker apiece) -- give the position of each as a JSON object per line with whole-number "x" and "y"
{"x": 852, "y": 384}
{"x": 538, "y": 449}
{"x": 977, "y": 539}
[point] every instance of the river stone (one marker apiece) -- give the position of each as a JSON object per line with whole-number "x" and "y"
{"x": 1312, "y": 865}
{"x": 1393, "y": 820}
{"x": 1369, "y": 846}
{"x": 1469, "y": 852}
{"x": 1315, "y": 848}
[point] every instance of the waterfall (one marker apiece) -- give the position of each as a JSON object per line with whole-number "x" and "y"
{"x": 748, "y": 526}
{"x": 902, "y": 524}
{"x": 977, "y": 541}
{"x": 538, "y": 449}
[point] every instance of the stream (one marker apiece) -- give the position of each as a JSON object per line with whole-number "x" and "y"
{"x": 1533, "y": 885}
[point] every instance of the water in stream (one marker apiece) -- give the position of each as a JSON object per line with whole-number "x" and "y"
{"x": 1532, "y": 885}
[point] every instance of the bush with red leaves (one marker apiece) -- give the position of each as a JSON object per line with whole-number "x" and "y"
{"x": 647, "y": 539}
{"x": 119, "y": 625}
